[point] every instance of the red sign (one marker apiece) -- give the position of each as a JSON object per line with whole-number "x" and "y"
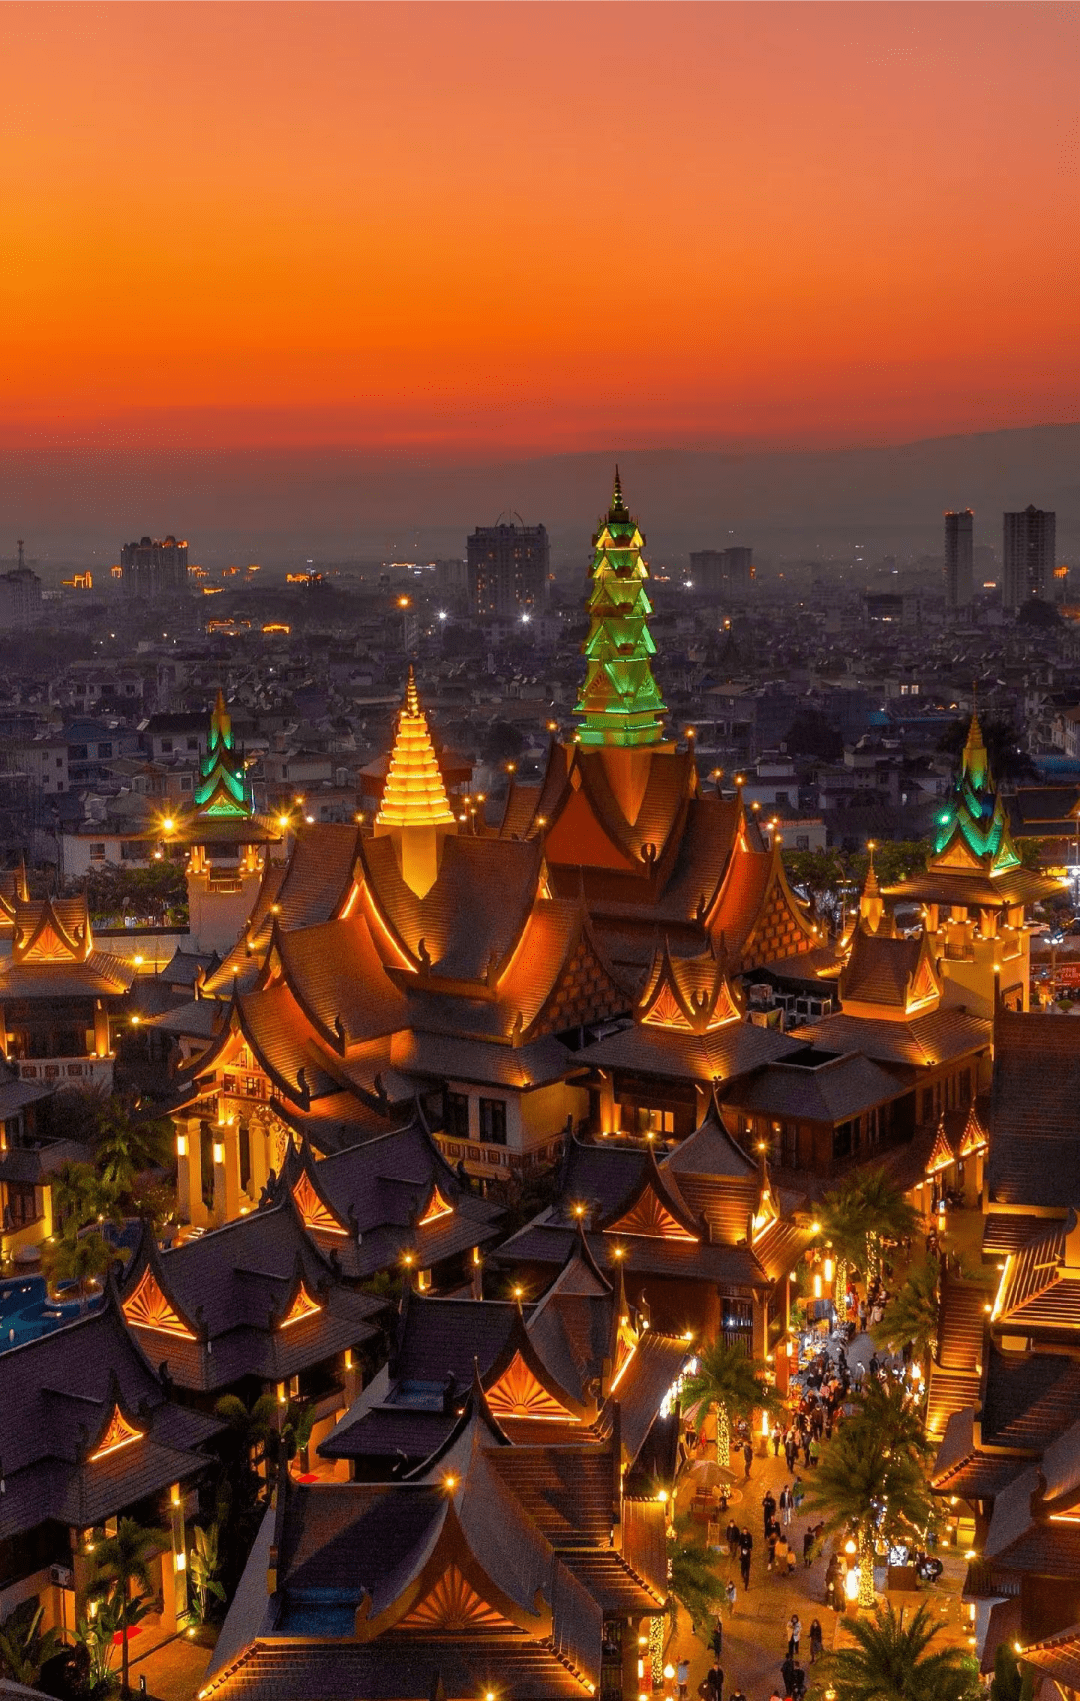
{"x": 1068, "y": 974}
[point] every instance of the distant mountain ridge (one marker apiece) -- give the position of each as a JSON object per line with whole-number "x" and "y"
{"x": 279, "y": 505}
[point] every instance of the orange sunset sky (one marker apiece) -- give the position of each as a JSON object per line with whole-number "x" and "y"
{"x": 537, "y": 227}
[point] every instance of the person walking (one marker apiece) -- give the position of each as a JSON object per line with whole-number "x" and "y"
{"x": 791, "y": 1450}
{"x": 790, "y": 1560}
{"x": 785, "y": 1504}
{"x": 808, "y": 1546}
{"x": 798, "y": 1683}
{"x": 716, "y": 1640}
{"x": 777, "y": 1437}
{"x": 683, "y": 1671}
{"x": 768, "y": 1509}
{"x": 817, "y": 1641}
{"x": 814, "y": 1450}
{"x": 787, "y": 1674}
{"x": 714, "y": 1683}
{"x": 795, "y": 1633}
{"x": 746, "y": 1548}
{"x": 748, "y": 1459}
{"x": 732, "y": 1595}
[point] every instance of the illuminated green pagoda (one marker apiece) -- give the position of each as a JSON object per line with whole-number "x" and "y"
{"x": 224, "y": 788}
{"x": 619, "y": 705}
{"x": 972, "y": 829}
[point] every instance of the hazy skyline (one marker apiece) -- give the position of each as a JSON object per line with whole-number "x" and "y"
{"x": 536, "y": 229}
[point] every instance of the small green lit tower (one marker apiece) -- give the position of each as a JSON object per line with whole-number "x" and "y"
{"x": 972, "y": 829}
{"x": 224, "y": 787}
{"x": 619, "y": 704}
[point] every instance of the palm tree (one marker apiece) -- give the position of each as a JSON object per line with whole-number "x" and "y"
{"x": 888, "y": 1214}
{"x": 120, "y": 1562}
{"x": 82, "y": 1259}
{"x": 127, "y": 1144}
{"x": 864, "y": 1210}
{"x": 912, "y": 1313}
{"x": 890, "y": 1662}
{"x": 844, "y": 1228}
{"x": 24, "y": 1650}
{"x": 730, "y": 1381}
{"x": 693, "y": 1579}
{"x": 80, "y": 1196}
{"x": 871, "y": 1478}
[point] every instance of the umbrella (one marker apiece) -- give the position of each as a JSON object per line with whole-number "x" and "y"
{"x": 708, "y": 1474}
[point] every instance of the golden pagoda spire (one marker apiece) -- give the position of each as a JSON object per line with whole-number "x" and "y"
{"x": 415, "y": 811}
{"x": 871, "y": 903}
{"x": 414, "y": 794}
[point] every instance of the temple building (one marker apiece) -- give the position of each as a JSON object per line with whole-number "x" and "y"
{"x": 255, "y": 1307}
{"x": 63, "y": 1001}
{"x": 492, "y": 1569}
{"x": 975, "y": 892}
{"x": 229, "y": 845}
{"x": 466, "y": 970}
{"x": 91, "y": 1434}
{"x": 576, "y": 1365}
{"x": 1005, "y": 1383}
{"x": 699, "y": 1237}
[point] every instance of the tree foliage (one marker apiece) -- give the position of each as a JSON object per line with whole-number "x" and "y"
{"x": 25, "y": 1649}
{"x": 731, "y": 1383}
{"x": 912, "y": 1312}
{"x": 694, "y": 1581}
{"x": 122, "y": 1576}
{"x": 892, "y": 1661}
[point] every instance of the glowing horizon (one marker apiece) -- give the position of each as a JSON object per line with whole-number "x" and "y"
{"x": 533, "y": 228}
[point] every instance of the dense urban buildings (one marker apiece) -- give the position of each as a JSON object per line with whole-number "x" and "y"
{"x": 154, "y": 568}
{"x": 1028, "y": 556}
{"x": 959, "y": 558}
{"x": 728, "y": 571}
{"x": 508, "y": 568}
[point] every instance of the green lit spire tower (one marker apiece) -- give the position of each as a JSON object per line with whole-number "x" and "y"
{"x": 224, "y": 787}
{"x": 972, "y": 828}
{"x": 619, "y": 704}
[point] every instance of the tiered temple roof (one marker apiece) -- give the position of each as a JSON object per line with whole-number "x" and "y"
{"x": 257, "y": 1298}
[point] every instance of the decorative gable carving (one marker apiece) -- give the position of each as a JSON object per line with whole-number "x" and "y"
{"x": 302, "y": 1306}
{"x": 453, "y": 1604}
{"x": 314, "y": 1214}
{"x": 118, "y": 1433}
{"x": 518, "y": 1393}
{"x": 649, "y": 1216}
{"x": 439, "y": 1207}
{"x": 583, "y": 992}
{"x": 148, "y": 1308}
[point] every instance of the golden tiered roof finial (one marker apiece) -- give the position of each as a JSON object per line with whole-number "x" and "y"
{"x": 414, "y": 794}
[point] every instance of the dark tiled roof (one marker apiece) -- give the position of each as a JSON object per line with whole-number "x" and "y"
{"x": 1034, "y": 1156}
{"x": 1008, "y": 1231}
{"x": 726, "y": 1052}
{"x": 880, "y": 968}
{"x": 919, "y": 1040}
{"x": 62, "y": 1391}
{"x": 1057, "y": 1657}
{"x": 299, "y": 1669}
{"x": 461, "y": 929}
{"x": 831, "y": 1092}
{"x": 1028, "y": 1398}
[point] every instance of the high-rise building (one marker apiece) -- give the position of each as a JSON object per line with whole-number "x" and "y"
{"x": 959, "y": 558}
{"x": 20, "y": 596}
{"x": 154, "y": 568}
{"x": 724, "y": 571}
{"x": 1029, "y": 556}
{"x": 508, "y": 569}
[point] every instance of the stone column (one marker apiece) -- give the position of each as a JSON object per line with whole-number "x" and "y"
{"x": 189, "y": 1170}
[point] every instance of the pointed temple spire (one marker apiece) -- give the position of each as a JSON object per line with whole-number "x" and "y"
{"x": 414, "y": 794}
{"x": 619, "y": 703}
{"x": 972, "y": 827}
{"x": 871, "y": 903}
{"x": 224, "y": 787}
{"x": 415, "y": 811}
